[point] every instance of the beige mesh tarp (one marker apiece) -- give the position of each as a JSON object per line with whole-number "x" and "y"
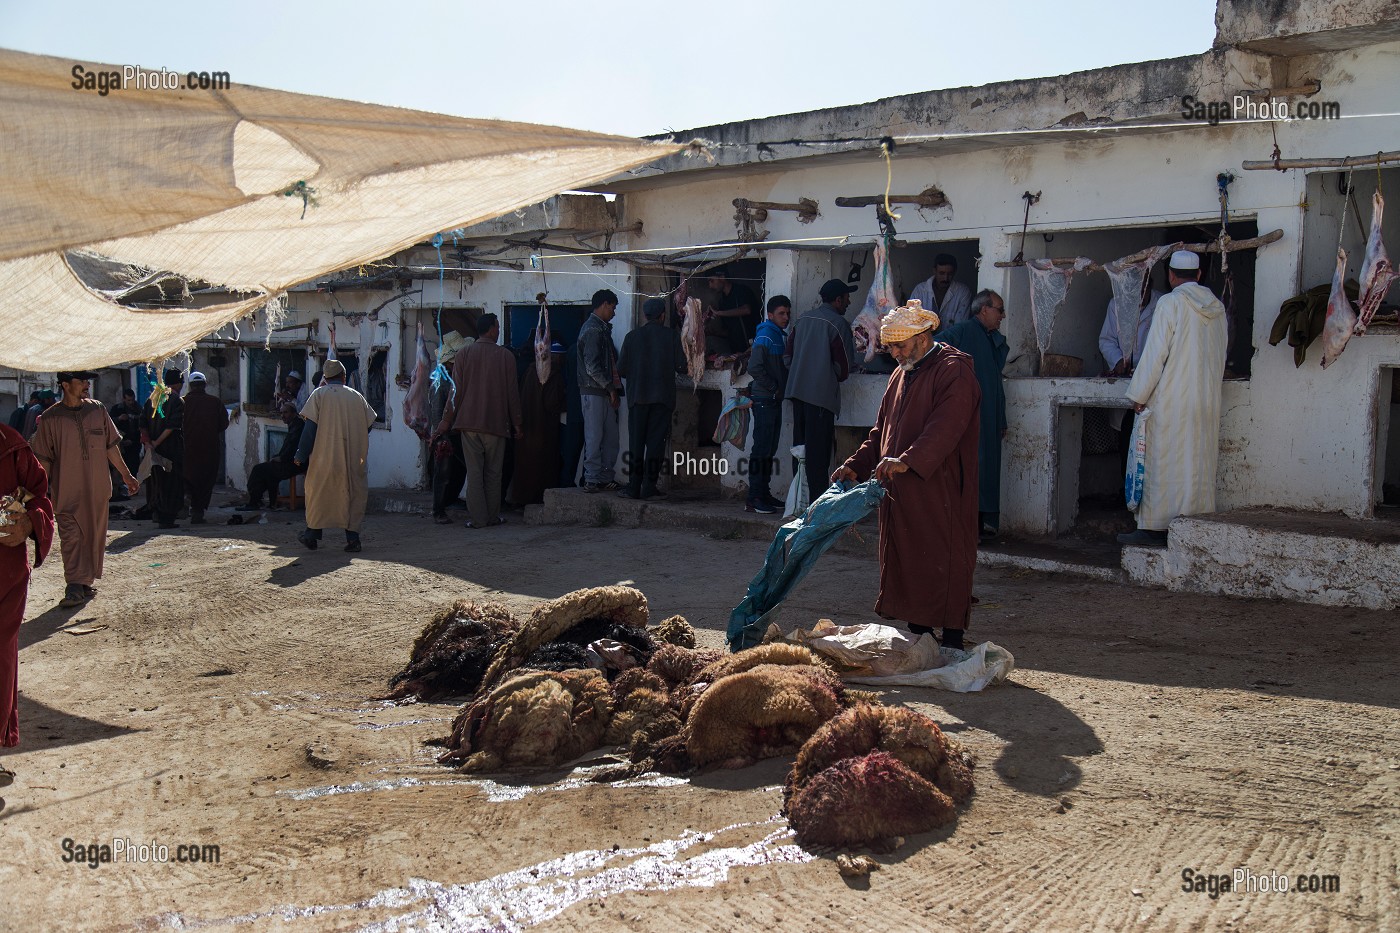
{"x": 190, "y": 183}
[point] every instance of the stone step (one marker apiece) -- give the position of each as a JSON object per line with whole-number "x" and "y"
{"x": 1327, "y": 560}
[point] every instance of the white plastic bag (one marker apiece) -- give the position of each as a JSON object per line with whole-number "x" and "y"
{"x": 1136, "y": 474}
{"x": 962, "y": 671}
{"x": 798, "y": 498}
{"x": 869, "y": 649}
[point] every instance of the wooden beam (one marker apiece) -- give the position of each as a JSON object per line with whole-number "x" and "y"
{"x": 1380, "y": 158}
{"x": 806, "y": 208}
{"x": 931, "y": 197}
{"x": 1231, "y": 246}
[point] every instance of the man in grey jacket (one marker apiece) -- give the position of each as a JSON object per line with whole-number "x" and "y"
{"x": 822, "y": 351}
{"x": 599, "y": 389}
{"x": 651, "y": 358}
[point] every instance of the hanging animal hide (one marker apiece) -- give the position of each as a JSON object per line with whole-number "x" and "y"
{"x": 1049, "y": 285}
{"x": 1129, "y": 280}
{"x": 1377, "y": 274}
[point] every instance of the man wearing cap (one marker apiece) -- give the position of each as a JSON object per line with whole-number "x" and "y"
{"x": 294, "y": 390}
{"x": 651, "y": 358}
{"x": 265, "y": 477}
{"x": 334, "y": 447}
{"x": 449, "y": 467}
{"x": 163, "y": 419}
{"x": 980, "y": 338}
{"x": 206, "y": 419}
{"x": 75, "y": 442}
{"x": 923, "y": 450}
{"x": 768, "y": 368}
{"x": 822, "y": 351}
{"x": 940, "y": 293}
{"x": 537, "y": 453}
{"x": 1178, "y": 381}
{"x": 485, "y": 410}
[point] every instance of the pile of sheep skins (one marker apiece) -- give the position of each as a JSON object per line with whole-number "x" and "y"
{"x": 874, "y": 773}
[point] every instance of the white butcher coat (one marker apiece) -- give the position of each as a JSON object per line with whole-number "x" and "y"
{"x": 956, "y": 304}
{"x": 1178, "y": 379}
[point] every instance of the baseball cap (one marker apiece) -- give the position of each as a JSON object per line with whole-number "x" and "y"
{"x": 835, "y": 287}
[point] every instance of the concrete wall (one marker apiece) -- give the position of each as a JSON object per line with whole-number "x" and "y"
{"x": 1300, "y": 438}
{"x": 1284, "y": 27}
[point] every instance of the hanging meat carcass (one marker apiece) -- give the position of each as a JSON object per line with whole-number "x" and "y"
{"x": 881, "y": 299}
{"x": 693, "y": 340}
{"x": 1341, "y": 316}
{"x": 1377, "y": 274}
{"x": 415, "y": 404}
{"x": 542, "y": 342}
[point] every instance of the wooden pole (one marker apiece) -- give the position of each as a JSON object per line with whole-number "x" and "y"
{"x": 1213, "y": 246}
{"x": 806, "y": 208}
{"x": 931, "y": 197}
{"x": 1380, "y": 158}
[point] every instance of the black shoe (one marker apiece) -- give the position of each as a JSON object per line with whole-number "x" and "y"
{"x": 653, "y": 493}
{"x": 307, "y": 540}
{"x": 75, "y": 594}
{"x": 629, "y": 494}
{"x": 353, "y": 546}
{"x": 592, "y": 487}
{"x": 248, "y": 508}
{"x": 197, "y": 518}
{"x": 762, "y": 508}
{"x": 775, "y": 502}
{"x": 166, "y": 526}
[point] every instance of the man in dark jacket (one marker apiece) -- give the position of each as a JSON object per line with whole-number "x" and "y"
{"x": 822, "y": 351}
{"x": 651, "y": 358}
{"x": 768, "y": 365}
{"x": 980, "y": 338}
{"x": 600, "y": 391}
{"x": 267, "y": 476}
{"x": 206, "y": 419}
{"x": 164, "y": 423}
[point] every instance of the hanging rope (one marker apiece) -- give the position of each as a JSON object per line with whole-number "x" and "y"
{"x": 1342, "y": 227}
{"x": 887, "y": 147}
{"x": 1222, "y": 182}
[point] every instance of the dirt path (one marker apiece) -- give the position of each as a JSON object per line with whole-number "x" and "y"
{"x": 1145, "y": 733}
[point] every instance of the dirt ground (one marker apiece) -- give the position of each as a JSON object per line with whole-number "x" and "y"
{"x": 1144, "y": 733}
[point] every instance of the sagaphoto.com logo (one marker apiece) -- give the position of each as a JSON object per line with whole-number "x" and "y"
{"x": 134, "y": 77}
{"x": 1245, "y": 107}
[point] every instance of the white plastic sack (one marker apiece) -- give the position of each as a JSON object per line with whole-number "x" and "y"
{"x": 798, "y": 497}
{"x": 962, "y": 672}
{"x": 1136, "y": 474}
{"x": 871, "y": 649}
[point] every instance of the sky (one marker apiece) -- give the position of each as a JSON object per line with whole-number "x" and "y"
{"x": 615, "y": 66}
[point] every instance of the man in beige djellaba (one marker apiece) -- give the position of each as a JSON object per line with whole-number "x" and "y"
{"x": 76, "y": 443}
{"x": 333, "y": 448}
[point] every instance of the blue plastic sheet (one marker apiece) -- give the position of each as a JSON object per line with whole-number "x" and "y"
{"x": 794, "y": 552}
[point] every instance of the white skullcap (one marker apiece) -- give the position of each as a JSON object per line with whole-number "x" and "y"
{"x": 1184, "y": 259}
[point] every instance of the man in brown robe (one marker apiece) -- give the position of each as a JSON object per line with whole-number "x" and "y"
{"x": 334, "y": 448}
{"x": 923, "y": 449}
{"x": 206, "y": 419}
{"x": 75, "y": 440}
{"x": 537, "y": 453}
